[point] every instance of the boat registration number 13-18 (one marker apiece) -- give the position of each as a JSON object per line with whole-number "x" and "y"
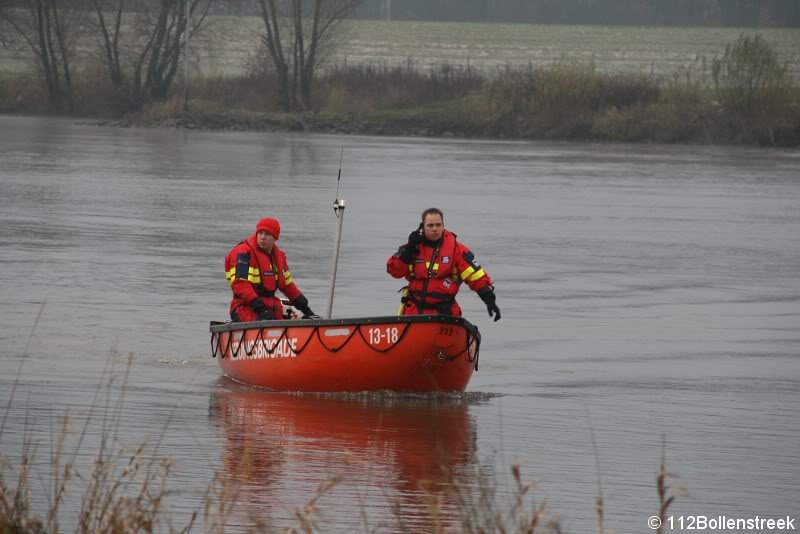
{"x": 389, "y": 334}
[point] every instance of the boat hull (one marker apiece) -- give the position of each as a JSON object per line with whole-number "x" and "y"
{"x": 402, "y": 353}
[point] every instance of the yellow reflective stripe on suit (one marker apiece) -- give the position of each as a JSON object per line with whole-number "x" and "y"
{"x": 470, "y": 274}
{"x": 253, "y": 276}
{"x": 480, "y": 273}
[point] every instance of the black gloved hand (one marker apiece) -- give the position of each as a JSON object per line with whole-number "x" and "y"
{"x": 407, "y": 251}
{"x": 301, "y": 303}
{"x": 488, "y": 297}
{"x": 415, "y": 238}
{"x": 263, "y": 313}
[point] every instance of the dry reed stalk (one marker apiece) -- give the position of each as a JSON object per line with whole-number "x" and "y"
{"x": 19, "y": 368}
{"x": 665, "y": 495}
{"x": 15, "y": 512}
{"x": 476, "y": 508}
{"x": 599, "y": 501}
{"x": 108, "y": 504}
{"x": 60, "y": 474}
{"x": 307, "y": 514}
{"x": 218, "y": 503}
{"x": 599, "y": 508}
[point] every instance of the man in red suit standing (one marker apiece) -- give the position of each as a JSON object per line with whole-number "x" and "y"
{"x": 435, "y": 264}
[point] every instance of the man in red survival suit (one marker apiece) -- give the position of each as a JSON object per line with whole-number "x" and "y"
{"x": 435, "y": 264}
{"x": 256, "y": 268}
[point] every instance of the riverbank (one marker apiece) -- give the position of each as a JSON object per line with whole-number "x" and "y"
{"x": 399, "y": 124}
{"x": 662, "y": 123}
{"x": 746, "y": 100}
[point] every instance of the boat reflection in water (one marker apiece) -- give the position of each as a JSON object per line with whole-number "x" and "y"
{"x": 392, "y": 455}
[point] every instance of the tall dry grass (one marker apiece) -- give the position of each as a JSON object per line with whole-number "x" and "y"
{"x": 125, "y": 490}
{"x": 479, "y": 510}
{"x": 360, "y": 88}
{"x": 116, "y": 496}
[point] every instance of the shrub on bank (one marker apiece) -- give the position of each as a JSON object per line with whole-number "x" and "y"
{"x": 22, "y": 95}
{"x": 256, "y": 91}
{"x": 755, "y": 90}
{"x": 556, "y": 102}
{"x": 359, "y": 88}
{"x": 748, "y": 76}
{"x": 679, "y": 112}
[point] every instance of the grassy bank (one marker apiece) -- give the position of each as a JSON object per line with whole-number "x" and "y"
{"x": 743, "y": 97}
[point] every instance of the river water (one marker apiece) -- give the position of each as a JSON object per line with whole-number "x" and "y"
{"x": 650, "y": 299}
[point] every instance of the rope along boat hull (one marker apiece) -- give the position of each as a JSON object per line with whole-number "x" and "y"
{"x": 402, "y": 353}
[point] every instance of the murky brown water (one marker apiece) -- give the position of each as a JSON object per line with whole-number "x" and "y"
{"x": 649, "y": 293}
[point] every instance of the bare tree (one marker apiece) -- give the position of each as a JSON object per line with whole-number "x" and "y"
{"x": 109, "y": 33}
{"x": 48, "y": 30}
{"x": 143, "y": 63}
{"x": 298, "y": 37}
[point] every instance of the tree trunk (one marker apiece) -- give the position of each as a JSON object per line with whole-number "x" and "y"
{"x": 309, "y": 63}
{"x": 110, "y": 42}
{"x": 62, "y": 48}
{"x": 272, "y": 40}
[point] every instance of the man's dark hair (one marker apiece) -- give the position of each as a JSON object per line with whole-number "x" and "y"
{"x": 432, "y": 211}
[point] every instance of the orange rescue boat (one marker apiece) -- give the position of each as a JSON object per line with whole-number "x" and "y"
{"x": 401, "y": 353}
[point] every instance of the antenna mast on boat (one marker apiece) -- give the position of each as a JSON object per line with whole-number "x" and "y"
{"x": 338, "y": 210}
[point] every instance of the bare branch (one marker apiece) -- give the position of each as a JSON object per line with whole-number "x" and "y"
{"x": 309, "y": 39}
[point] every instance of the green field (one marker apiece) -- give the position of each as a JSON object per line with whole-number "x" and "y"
{"x": 612, "y": 48}
{"x": 661, "y": 50}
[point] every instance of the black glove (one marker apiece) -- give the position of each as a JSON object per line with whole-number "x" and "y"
{"x": 407, "y": 251}
{"x": 263, "y": 313}
{"x": 301, "y": 303}
{"x": 415, "y": 238}
{"x": 488, "y": 297}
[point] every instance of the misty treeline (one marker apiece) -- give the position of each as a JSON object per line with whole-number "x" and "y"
{"x": 141, "y": 44}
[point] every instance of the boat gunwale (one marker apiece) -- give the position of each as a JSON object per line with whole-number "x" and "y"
{"x": 219, "y": 327}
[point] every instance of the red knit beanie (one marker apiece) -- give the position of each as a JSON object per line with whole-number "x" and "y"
{"x": 271, "y": 226}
